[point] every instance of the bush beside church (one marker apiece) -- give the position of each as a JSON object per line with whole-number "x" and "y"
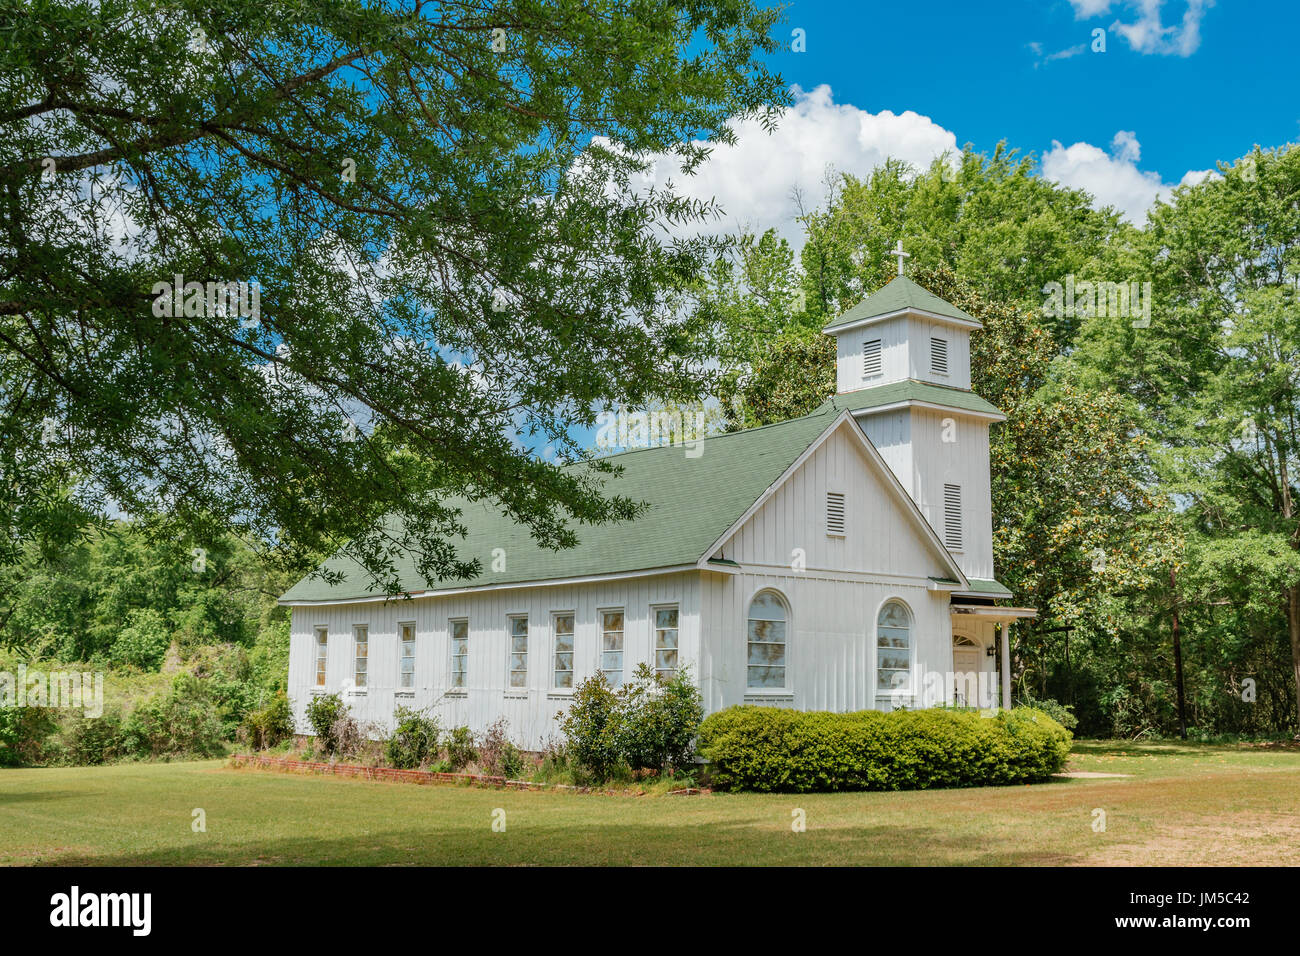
{"x": 777, "y": 750}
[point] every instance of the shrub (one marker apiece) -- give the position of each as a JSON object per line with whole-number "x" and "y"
{"x": 773, "y": 749}
{"x": 89, "y": 741}
{"x": 24, "y": 733}
{"x": 591, "y": 725}
{"x": 183, "y": 722}
{"x": 497, "y": 756}
{"x": 649, "y": 724}
{"x": 350, "y": 736}
{"x": 460, "y": 748}
{"x": 322, "y": 713}
{"x": 1063, "y": 714}
{"x": 414, "y": 740}
{"x": 658, "y": 720}
{"x": 267, "y": 726}
{"x": 143, "y": 642}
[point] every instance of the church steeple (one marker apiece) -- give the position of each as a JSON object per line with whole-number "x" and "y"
{"x": 903, "y": 369}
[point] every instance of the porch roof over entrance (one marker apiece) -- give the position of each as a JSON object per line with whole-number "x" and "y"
{"x": 997, "y": 615}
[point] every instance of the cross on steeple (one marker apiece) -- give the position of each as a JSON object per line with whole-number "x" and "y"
{"x": 899, "y": 254}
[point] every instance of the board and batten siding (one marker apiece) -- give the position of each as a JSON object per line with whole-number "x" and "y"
{"x": 834, "y": 587}
{"x": 963, "y": 461}
{"x": 530, "y": 711}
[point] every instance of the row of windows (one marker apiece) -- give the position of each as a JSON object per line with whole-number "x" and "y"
{"x": 872, "y": 364}
{"x": 767, "y": 633}
{"x": 562, "y": 629}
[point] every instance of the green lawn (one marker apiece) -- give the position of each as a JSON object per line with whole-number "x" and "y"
{"x": 1184, "y": 804}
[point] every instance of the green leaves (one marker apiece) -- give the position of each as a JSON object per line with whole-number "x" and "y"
{"x": 450, "y": 272}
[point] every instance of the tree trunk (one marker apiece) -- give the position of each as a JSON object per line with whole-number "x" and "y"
{"x": 1293, "y": 626}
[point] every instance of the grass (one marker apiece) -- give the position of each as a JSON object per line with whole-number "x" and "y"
{"x": 1182, "y": 803}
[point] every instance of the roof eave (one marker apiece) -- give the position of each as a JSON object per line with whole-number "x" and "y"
{"x": 971, "y": 324}
{"x": 922, "y": 403}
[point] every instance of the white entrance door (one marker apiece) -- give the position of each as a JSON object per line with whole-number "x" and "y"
{"x": 966, "y": 665}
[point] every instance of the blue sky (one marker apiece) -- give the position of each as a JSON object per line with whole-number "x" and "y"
{"x": 1181, "y": 85}
{"x": 1208, "y": 88}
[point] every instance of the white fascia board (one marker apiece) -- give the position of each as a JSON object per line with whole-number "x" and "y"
{"x": 921, "y": 403}
{"x": 447, "y": 592}
{"x": 919, "y": 313}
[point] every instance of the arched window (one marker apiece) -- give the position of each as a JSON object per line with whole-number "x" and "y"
{"x": 768, "y": 621}
{"x": 894, "y": 647}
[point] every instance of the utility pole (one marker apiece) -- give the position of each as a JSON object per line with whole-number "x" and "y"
{"x": 1178, "y": 660}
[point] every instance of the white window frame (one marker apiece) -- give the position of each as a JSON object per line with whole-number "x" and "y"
{"x": 784, "y": 686}
{"x": 666, "y": 673}
{"x": 555, "y": 651}
{"x": 909, "y": 689}
{"x": 451, "y": 641}
{"x": 622, "y": 645}
{"x": 360, "y": 640}
{"x": 511, "y": 620}
{"x": 405, "y": 678}
{"x": 322, "y": 653}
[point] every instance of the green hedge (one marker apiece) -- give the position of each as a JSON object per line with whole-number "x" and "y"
{"x": 791, "y": 751}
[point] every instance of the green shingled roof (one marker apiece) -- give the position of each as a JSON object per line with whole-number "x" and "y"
{"x": 691, "y": 503}
{"x": 899, "y": 294}
{"x": 904, "y": 391}
{"x": 988, "y": 586}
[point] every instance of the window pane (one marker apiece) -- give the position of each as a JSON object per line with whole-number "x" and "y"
{"x": 767, "y": 607}
{"x": 765, "y": 631}
{"x": 766, "y": 676}
{"x": 893, "y": 647}
{"x": 613, "y": 620}
{"x": 666, "y": 617}
{"x": 767, "y": 653}
{"x": 894, "y": 615}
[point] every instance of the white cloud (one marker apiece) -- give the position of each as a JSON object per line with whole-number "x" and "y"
{"x": 753, "y": 179}
{"x": 1147, "y": 33}
{"x": 1113, "y": 178}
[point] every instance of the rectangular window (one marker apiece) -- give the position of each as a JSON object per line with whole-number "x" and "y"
{"x": 871, "y": 364}
{"x": 835, "y": 513}
{"x": 361, "y": 644}
{"x": 611, "y": 646}
{"x": 459, "y": 652}
{"x": 322, "y": 645}
{"x": 952, "y": 517}
{"x": 519, "y": 652}
{"x": 563, "y": 625}
{"x": 939, "y": 356}
{"x": 666, "y": 642}
{"x": 406, "y": 650}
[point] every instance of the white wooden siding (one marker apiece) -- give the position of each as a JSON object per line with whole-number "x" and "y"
{"x": 531, "y": 710}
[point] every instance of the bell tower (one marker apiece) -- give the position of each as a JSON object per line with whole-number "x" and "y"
{"x": 903, "y": 370}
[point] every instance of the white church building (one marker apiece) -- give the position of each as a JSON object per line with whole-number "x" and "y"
{"x": 839, "y": 561}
